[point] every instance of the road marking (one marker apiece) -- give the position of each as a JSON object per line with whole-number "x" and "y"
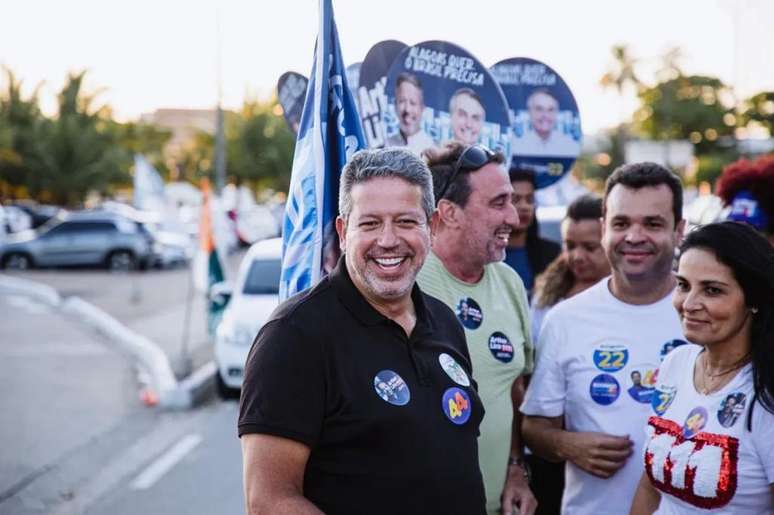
{"x": 165, "y": 462}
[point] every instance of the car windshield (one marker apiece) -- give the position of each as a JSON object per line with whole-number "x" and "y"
{"x": 263, "y": 277}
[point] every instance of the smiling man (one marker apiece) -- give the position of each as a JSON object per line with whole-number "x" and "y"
{"x": 358, "y": 395}
{"x": 600, "y": 343}
{"x": 467, "y": 115}
{"x": 409, "y": 106}
{"x": 471, "y": 224}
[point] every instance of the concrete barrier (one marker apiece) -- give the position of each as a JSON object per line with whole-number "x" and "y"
{"x": 150, "y": 359}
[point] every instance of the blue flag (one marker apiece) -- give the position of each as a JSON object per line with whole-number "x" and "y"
{"x": 328, "y": 135}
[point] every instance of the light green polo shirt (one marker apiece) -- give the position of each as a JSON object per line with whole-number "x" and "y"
{"x": 494, "y": 315}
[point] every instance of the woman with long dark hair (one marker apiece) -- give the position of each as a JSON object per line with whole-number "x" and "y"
{"x": 709, "y": 445}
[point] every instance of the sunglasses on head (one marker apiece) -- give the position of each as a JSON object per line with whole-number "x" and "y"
{"x": 472, "y": 158}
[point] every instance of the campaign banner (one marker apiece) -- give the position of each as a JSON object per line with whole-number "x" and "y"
{"x": 371, "y": 98}
{"x": 291, "y": 92}
{"x": 545, "y": 122}
{"x": 437, "y": 92}
{"x": 353, "y": 77}
{"x": 329, "y": 134}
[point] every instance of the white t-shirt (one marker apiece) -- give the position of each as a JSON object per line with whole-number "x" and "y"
{"x": 698, "y": 451}
{"x": 592, "y": 349}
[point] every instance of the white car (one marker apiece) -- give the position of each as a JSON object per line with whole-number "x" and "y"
{"x": 254, "y": 297}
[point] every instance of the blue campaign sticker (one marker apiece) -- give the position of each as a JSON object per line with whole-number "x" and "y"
{"x": 662, "y": 398}
{"x": 695, "y": 421}
{"x": 469, "y": 313}
{"x": 670, "y": 346}
{"x": 456, "y": 405}
{"x": 731, "y": 408}
{"x": 604, "y": 389}
{"x": 611, "y": 358}
{"x": 643, "y": 383}
{"x": 392, "y": 388}
{"x": 501, "y": 347}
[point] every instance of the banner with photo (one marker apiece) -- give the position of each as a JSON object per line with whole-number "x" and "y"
{"x": 291, "y": 92}
{"x": 545, "y": 121}
{"x": 371, "y": 98}
{"x": 437, "y": 91}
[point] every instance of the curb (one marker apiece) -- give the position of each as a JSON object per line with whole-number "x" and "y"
{"x": 152, "y": 362}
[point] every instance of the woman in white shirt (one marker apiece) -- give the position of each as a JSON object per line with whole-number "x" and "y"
{"x": 709, "y": 444}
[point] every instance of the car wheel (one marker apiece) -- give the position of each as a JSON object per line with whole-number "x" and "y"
{"x": 120, "y": 261}
{"x": 17, "y": 261}
{"x": 225, "y": 392}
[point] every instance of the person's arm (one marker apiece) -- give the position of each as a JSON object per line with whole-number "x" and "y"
{"x": 598, "y": 454}
{"x": 273, "y": 473}
{"x": 646, "y": 498}
{"x": 516, "y": 490}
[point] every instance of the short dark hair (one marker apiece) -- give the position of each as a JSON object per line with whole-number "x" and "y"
{"x": 407, "y": 77}
{"x": 585, "y": 207}
{"x": 516, "y": 174}
{"x": 441, "y": 162}
{"x": 639, "y": 175}
{"x": 751, "y": 259}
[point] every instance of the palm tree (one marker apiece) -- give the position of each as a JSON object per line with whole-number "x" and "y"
{"x": 621, "y": 76}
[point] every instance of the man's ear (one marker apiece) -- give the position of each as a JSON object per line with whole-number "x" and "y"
{"x": 679, "y": 231}
{"x": 341, "y": 230}
{"x": 448, "y": 213}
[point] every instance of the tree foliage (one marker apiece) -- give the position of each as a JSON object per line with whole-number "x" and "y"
{"x": 80, "y": 149}
{"x": 686, "y": 107}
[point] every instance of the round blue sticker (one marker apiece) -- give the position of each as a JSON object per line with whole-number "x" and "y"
{"x": 456, "y": 405}
{"x": 500, "y": 347}
{"x": 662, "y": 398}
{"x": 611, "y": 358}
{"x": 604, "y": 389}
{"x": 670, "y": 346}
{"x": 469, "y": 313}
{"x": 695, "y": 421}
{"x": 392, "y": 388}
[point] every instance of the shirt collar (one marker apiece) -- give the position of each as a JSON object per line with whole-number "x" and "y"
{"x": 354, "y": 301}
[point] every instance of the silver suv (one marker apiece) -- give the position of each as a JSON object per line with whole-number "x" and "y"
{"x": 80, "y": 238}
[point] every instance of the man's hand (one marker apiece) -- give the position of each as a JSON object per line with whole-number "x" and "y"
{"x": 517, "y": 492}
{"x": 598, "y": 454}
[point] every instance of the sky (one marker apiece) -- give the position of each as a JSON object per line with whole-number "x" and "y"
{"x": 144, "y": 55}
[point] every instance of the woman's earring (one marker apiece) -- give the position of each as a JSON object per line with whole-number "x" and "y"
{"x": 754, "y": 310}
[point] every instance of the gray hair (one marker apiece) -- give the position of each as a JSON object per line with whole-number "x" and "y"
{"x": 386, "y": 162}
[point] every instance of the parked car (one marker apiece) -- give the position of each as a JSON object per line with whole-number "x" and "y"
{"x": 80, "y": 238}
{"x": 39, "y": 213}
{"x": 550, "y": 222}
{"x": 253, "y": 298}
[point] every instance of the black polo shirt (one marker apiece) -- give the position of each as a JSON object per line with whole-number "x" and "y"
{"x": 391, "y": 420}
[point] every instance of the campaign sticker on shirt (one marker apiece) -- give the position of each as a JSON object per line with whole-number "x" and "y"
{"x": 456, "y": 405}
{"x": 731, "y": 408}
{"x": 392, "y": 388}
{"x": 469, "y": 313}
{"x": 610, "y": 358}
{"x": 501, "y": 347}
{"x": 604, "y": 389}
{"x": 643, "y": 383}
{"x": 453, "y": 369}
{"x": 662, "y": 398}
{"x": 670, "y": 346}
{"x": 695, "y": 421}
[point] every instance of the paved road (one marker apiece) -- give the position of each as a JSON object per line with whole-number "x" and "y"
{"x": 76, "y": 438}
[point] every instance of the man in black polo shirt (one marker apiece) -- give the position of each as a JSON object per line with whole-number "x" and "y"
{"x": 357, "y": 395}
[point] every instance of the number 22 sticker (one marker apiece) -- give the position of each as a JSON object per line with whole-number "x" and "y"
{"x": 611, "y": 358}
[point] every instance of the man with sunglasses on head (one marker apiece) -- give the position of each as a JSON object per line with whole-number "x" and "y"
{"x": 471, "y": 224}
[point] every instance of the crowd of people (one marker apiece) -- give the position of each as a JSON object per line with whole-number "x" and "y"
{"x": 453, "y": 362}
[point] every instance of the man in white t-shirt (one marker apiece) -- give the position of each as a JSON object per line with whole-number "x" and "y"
{"x": 598, "y": 352}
